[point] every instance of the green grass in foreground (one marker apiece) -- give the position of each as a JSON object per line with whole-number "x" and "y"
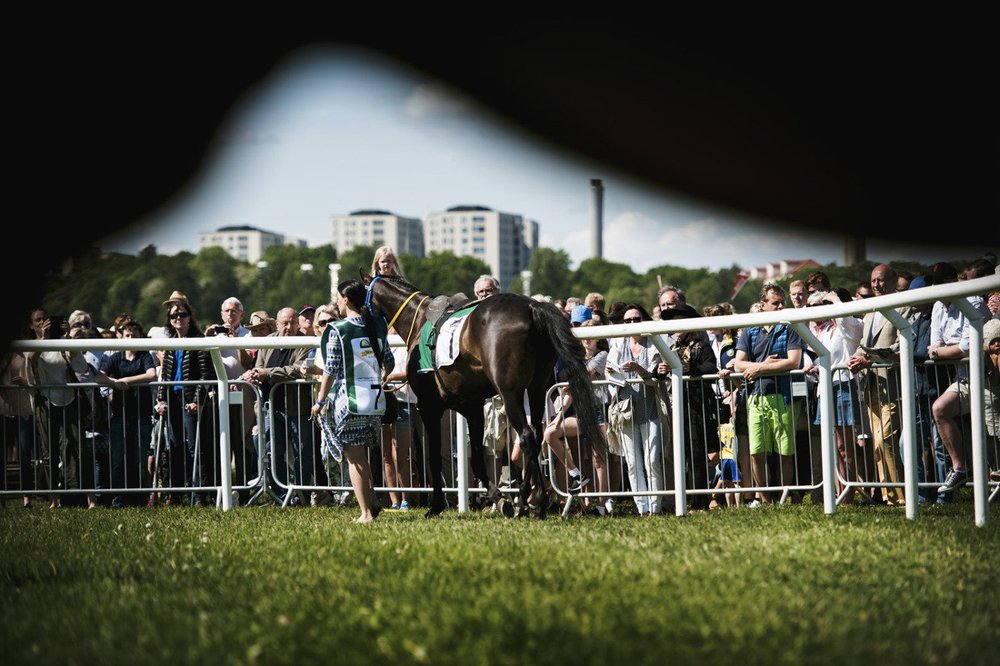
{"x": 779, "y": 585}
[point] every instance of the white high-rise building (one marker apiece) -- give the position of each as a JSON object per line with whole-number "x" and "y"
{"x": 377, "y": 227}
{"x": 504, "y": 241}
{"x": 243, "y": 242}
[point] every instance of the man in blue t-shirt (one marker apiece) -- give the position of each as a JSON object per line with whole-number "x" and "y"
{"x": 765, "y": 355}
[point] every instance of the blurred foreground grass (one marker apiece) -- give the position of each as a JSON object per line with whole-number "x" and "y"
{"x": 779, "y": 585}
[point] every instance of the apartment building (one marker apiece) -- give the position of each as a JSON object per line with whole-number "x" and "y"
{"x": 504, "y": 241}
{"x": 377, "y": 227}
{"x": 243, "y": 242}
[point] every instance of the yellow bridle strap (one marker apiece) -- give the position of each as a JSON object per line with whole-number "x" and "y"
{"x": 400, "y": 310}
{"x": 408, "y": 335}
{"x": 414, "y": 322}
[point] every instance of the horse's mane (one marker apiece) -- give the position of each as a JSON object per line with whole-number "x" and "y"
{"x": 400, "y": 281}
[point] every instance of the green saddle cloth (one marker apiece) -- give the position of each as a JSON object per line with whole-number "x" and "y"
{"x": 428, "y": 335}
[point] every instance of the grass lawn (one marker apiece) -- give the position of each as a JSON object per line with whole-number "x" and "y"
{"x": 777, "y": 585}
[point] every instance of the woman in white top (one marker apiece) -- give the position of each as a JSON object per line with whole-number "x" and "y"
{"x": 641, "y": 441}
{"x": 841, "y": 336}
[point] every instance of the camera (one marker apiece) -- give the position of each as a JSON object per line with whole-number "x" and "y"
{"x": 58, "y": 328}
{"x": 216, "y": 329}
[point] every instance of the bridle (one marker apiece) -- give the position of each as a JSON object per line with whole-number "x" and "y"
{"x": 368, "y": 304}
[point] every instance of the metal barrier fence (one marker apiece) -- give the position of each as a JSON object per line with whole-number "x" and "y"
{"x": 816, "y": 471}
{"x": 127, "y": 456}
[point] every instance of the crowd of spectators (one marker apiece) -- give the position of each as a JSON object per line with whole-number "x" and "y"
{"x": 752, "y": 422}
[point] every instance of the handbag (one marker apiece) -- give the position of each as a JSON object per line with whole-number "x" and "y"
{"x": 619, "y": 417}
{"x": 495, "y": 425}
{"x": 620, "y": 413}
{"x": 391, "y": 408}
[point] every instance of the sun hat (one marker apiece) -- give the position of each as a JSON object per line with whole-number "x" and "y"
{"x": 178, "y": 298}
{"x": 991, "y": 329}
{"x": 684, "y": 311}
{"x": 259, "y": 318}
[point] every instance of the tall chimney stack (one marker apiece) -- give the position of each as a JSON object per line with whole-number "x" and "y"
{"x": 596, "y": 218}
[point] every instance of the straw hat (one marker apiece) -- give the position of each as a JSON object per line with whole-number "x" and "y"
{"x": 178, "y": 297}
{"x": 260, "y": 320}
{"x": 991, "y": 329}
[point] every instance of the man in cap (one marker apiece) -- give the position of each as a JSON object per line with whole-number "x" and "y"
{"x": 306, "y": 315}
{"x": 580, "y": 314}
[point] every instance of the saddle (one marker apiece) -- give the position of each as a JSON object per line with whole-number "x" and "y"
{"x": 439, "y": 309}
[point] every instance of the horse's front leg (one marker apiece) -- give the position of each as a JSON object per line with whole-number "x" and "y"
{"x": 432, "y": 424}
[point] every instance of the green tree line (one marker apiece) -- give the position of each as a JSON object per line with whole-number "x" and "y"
{"x": 109, "y": 284}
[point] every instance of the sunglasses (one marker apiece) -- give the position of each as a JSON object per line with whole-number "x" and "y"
{"x": 323, "y": 322}
{"x": 180, "y": 315}
{"x": 632, "y": 320}
{"x": 81, "y": 324}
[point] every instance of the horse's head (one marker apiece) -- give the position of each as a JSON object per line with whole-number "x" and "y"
{"x": 389, "y": 294}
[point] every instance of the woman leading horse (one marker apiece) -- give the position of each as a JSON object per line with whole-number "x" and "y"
{"x": 509, "y": 346}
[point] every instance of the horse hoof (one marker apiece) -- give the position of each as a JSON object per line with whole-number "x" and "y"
{"x": 433, "y": 511}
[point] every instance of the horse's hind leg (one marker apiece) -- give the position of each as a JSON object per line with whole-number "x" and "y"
{"x": 533, "y": 477}
{"x": 475, "y": 420}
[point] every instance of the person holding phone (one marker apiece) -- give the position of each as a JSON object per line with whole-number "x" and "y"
{"x": 58, "y": 416}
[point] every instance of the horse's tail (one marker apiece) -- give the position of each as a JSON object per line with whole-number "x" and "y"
{"x": 552, "y": 322}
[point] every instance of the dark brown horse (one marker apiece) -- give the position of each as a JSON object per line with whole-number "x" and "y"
{"x": 508, "y": 347}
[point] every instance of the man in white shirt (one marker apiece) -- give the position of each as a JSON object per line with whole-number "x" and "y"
{"x": 241, "y": 398}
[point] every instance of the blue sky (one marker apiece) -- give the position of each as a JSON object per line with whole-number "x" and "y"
{"x": 336, "y": 130}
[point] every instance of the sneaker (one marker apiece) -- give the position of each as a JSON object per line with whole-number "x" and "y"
{"x": 404, "y": 506}
{"x": 394, "y": 507}
{"x": 576, "y": 483}
{"x": 755, "y": 504}
{"x": 956, "y": 479}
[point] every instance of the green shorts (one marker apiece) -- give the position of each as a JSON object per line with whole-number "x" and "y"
{"x": 769, "y": 421}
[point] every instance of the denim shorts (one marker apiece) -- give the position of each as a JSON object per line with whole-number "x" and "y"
{"x": 845, "y": 404}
